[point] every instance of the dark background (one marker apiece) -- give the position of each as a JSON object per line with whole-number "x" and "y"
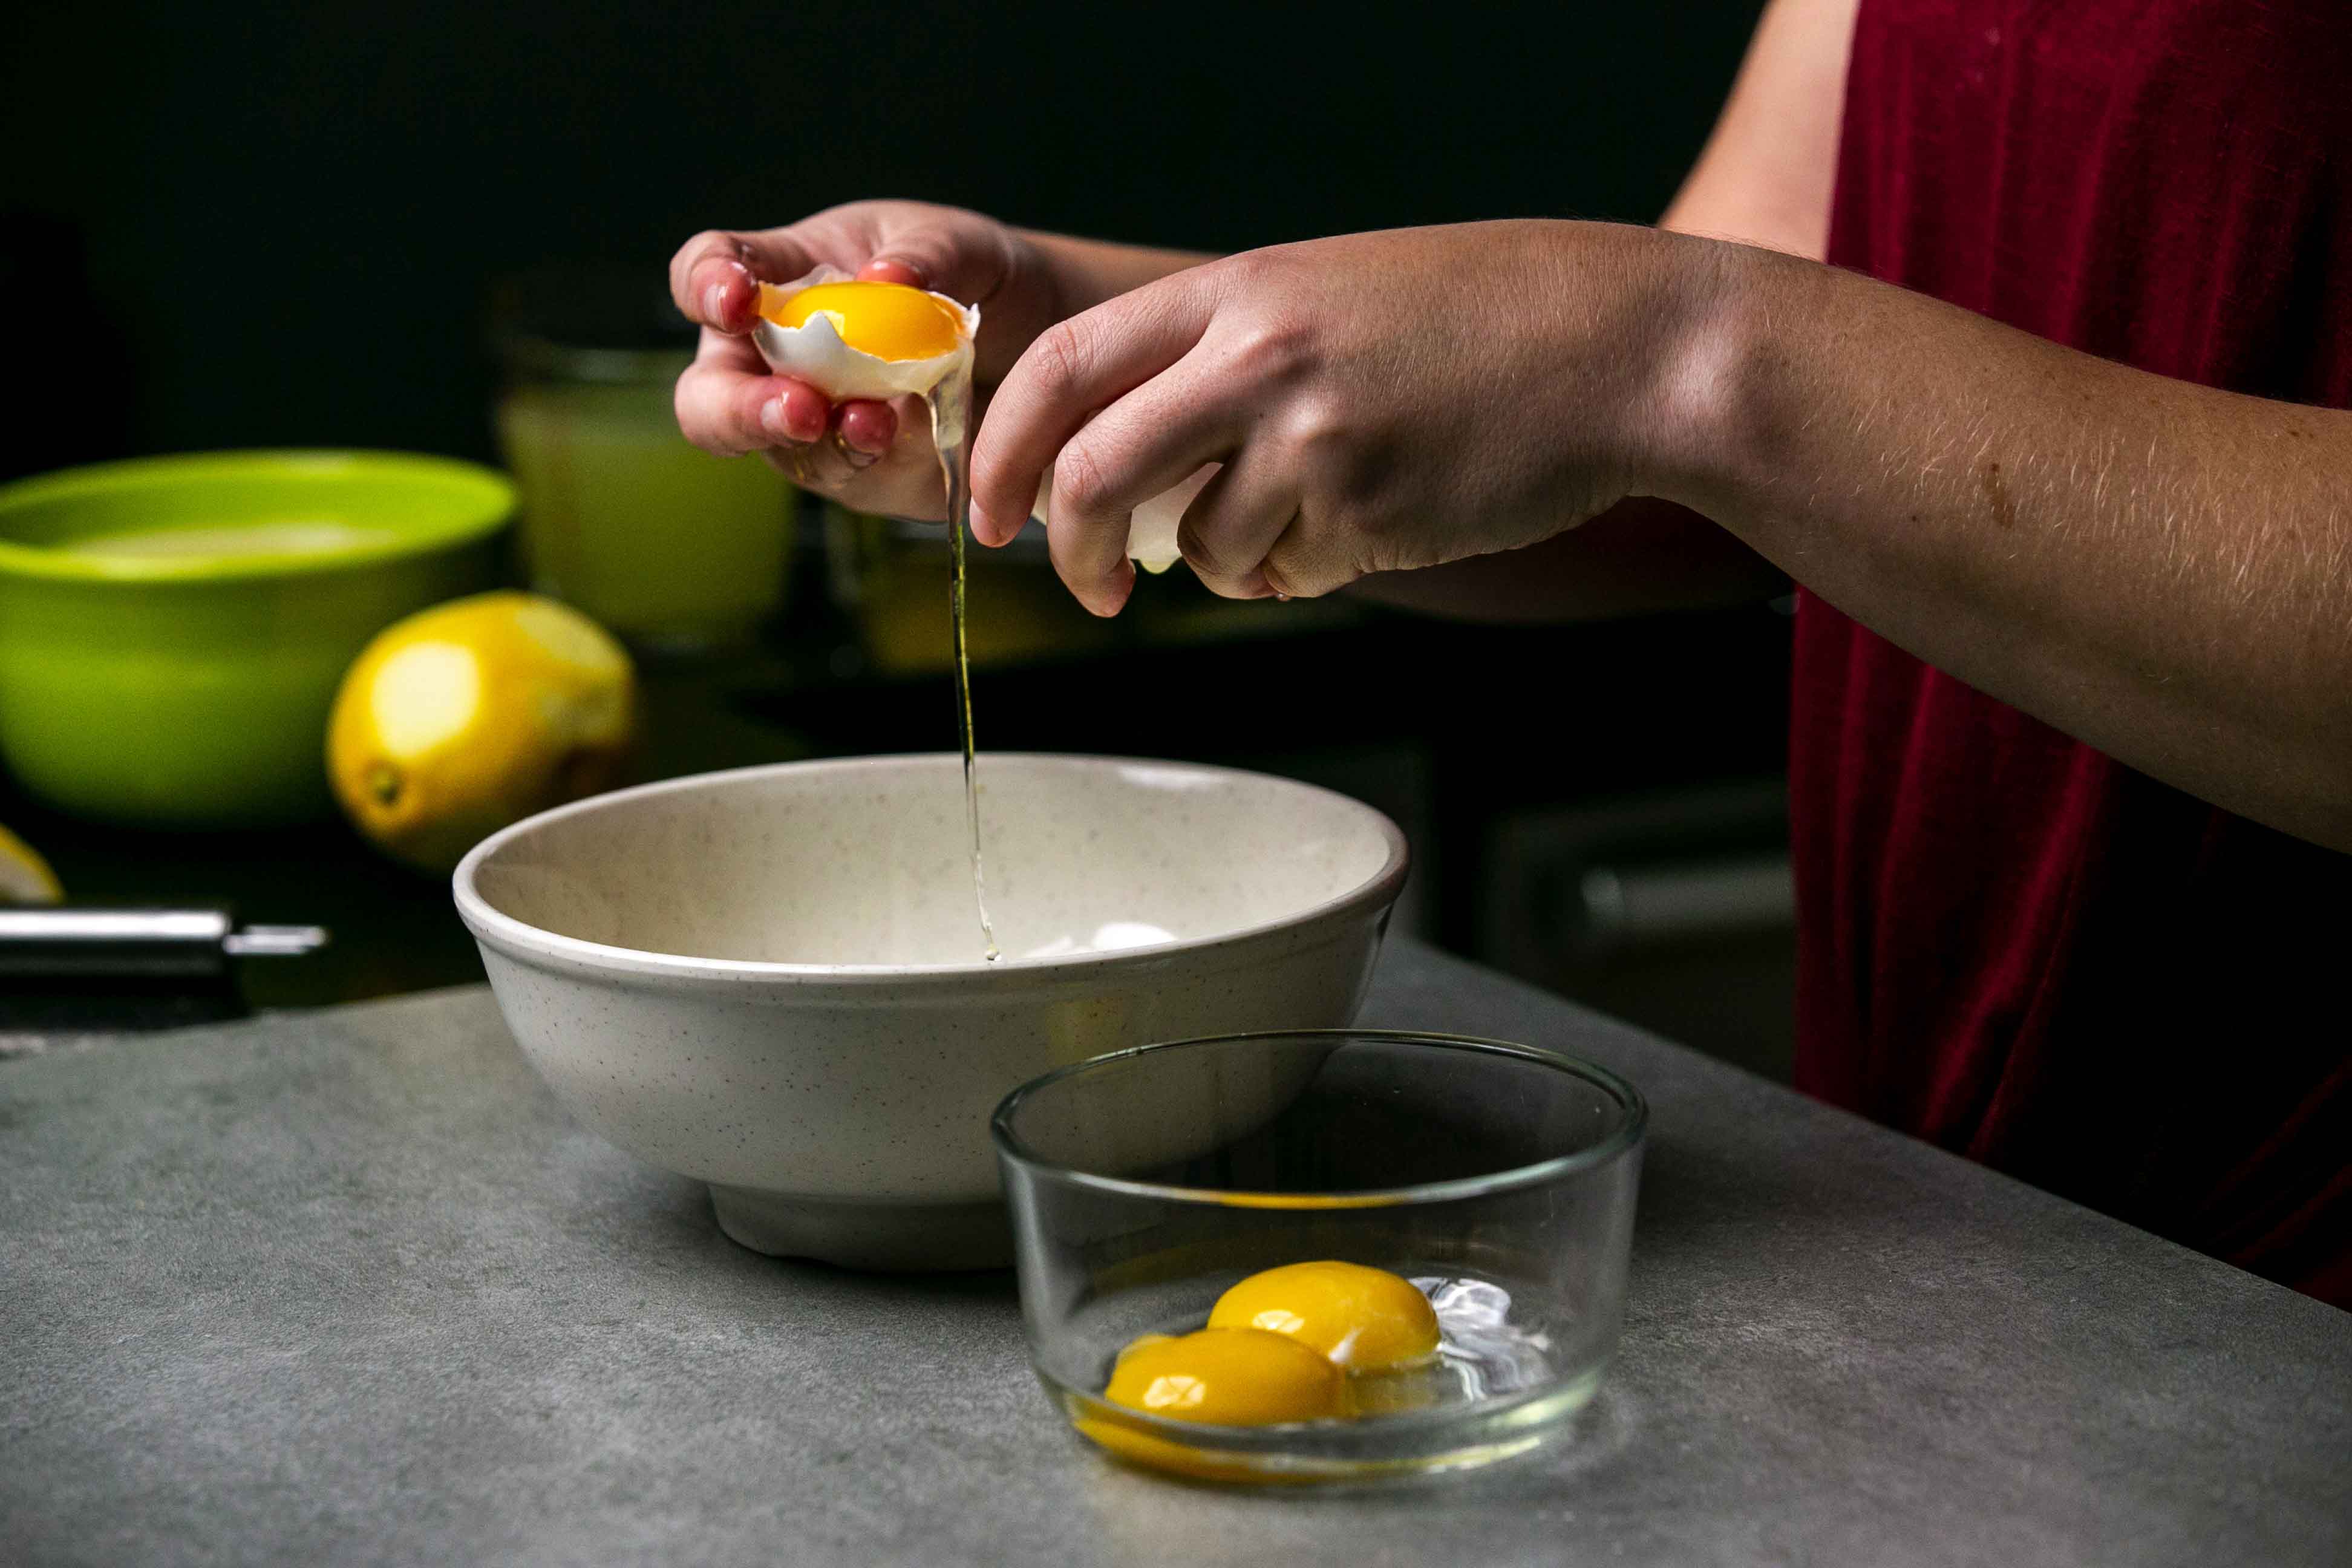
{"x": 232, "y": 226}
{"x": 263, "y": 227}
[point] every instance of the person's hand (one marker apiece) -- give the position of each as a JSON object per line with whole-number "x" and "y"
{"x": 1378, "y": 402}
{"x": 875, "y": 457}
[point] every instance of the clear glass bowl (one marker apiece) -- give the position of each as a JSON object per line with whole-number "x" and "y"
{"x": 1499, "y": 1179}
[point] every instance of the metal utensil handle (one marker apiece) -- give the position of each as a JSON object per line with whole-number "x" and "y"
{"x": 184, "y": 942}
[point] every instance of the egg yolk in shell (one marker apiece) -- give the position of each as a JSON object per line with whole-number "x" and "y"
{"x": 888, "y": 321}
{"x": 1364, "y": 1320}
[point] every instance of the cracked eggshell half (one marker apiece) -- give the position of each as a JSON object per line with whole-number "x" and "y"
{"x": 1151, "y": 528}
{"x": 817, "y": 353}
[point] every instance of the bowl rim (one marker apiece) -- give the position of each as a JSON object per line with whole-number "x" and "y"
{"x": 1627, "y": 1136}
{"x": 495, "y": 492}
{"x": 518, "y": 938}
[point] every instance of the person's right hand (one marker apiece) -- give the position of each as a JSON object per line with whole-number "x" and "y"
{"x": 873, "y": 456}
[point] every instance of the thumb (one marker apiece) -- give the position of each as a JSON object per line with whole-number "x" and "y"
{"x": 715, "y": 276}
{"x": 964, "y": 261}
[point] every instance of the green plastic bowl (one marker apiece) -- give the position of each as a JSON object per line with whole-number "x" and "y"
{"x": 172, "y": 630}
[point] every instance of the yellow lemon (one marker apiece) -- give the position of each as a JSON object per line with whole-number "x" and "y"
{"x": 472, "y": 714}
{"x": 25, "y": 876}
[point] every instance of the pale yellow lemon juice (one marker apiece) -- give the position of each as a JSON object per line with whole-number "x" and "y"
{"x": 656, "y": 539}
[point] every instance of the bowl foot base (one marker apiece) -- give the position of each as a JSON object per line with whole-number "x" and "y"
{"x": 894, "y": 1236}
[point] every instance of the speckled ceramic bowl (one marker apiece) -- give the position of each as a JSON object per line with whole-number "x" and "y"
{"x": 772, "y": 979}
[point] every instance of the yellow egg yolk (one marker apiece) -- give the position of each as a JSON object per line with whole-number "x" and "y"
{"x": 1362, "y": 1319}
{"x": 888, "y": 321}
{"x": 1229, "y": 1377}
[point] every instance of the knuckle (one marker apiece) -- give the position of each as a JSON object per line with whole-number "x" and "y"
{"x": 1249, "y": 271}
{"x": 733, "y": 422}
{"x": 1061, "y": 360}
{"x": 1206, "y": 556}
{"x": 1351, "y": 465}
{"x": 692, "y": 409}
{"x": 694, "y": 268}
{"x": 1317, "y": 556}
{"x": 711, "y": 244}
{"x": 1081, "y": 483}
{"x": 1292, "y": 576}
{"x": 1278, "y": 576}
{"x": 1276, "y": 348}
{"x": 1318, "y": 427}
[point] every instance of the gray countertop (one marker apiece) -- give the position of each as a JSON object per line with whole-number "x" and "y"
{"x": 348, "y": 1286}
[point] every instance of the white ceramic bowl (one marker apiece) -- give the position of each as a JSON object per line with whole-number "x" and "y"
{"x": 772, "y": 979}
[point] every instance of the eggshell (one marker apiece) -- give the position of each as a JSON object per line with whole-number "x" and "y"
{"x": 1152, "y": 527}
{"x": 815, "y": 353}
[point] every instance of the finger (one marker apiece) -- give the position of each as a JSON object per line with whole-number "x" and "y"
{"x": 1070, "y": 373}
{"x": 726, "y": 406}
{"x": 903, "y": 482}
{"x": 821, "y": 465}
{"x": 969, "y": 262}
{"x": 1234, "y": 523}
{"x": 867, "y": 426}
{"x": 1308, "y": 561}
{"x": 880, "y": 271}
{"x": 715, "y": 276}
{"x": 1143, "y": 445}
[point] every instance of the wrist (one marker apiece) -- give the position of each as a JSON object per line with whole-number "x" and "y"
{"x": 1059, "y": 271}
{"x": 1723, "y": 358}
{"x": 1084, "y": 273}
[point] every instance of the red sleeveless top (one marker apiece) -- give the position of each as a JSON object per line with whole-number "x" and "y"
{"x": 2013, "y": 945}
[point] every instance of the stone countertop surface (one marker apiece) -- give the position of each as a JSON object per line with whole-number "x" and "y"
{"x": 348, "y": 1286}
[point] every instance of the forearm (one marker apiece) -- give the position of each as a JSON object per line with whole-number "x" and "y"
{"x": 1088, "y": 271}
{"x": 2160, "y": 570}
{"x": 1640, "y": 556}
{"x": 1764, "y": 177}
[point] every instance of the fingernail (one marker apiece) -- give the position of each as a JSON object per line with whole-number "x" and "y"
{"x": 852, "y": 456}
{"x": 714, "y": 304}
{"x": 803, "y": 431}
{"x": 771, "y": 419}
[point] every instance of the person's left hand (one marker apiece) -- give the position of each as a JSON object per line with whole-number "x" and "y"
{"x": 1378, "y": 402}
